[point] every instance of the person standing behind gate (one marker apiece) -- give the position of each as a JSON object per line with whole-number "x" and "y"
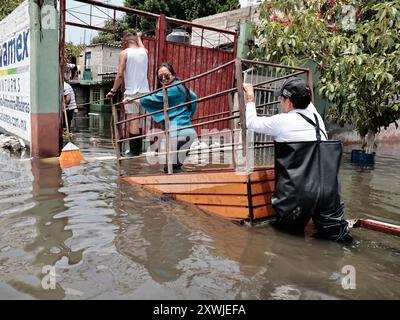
{"x": 70, "y": 104}
{"x": 306, "y": 164}
{"x": 133, "y": 66}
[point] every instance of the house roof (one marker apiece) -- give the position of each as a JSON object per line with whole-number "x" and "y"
{"x": 105, "y": 44}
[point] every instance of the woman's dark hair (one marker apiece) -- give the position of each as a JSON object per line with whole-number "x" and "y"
{"x": 171, "y": 69}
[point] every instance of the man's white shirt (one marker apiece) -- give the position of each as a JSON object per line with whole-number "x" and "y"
{"x": 285, "y": 127}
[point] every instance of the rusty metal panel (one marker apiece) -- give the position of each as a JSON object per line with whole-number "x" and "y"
{"x": 188, "y": 61}
{"x": 151, "y": 45}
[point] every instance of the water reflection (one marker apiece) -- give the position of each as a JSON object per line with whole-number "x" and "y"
{"x": 372, "y": 193}
{"x": 48, "y": 242}
{"x": 153, "y": 240}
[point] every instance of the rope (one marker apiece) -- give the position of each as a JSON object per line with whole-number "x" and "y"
{"x": 112, "y": 131}
{"x": 96, "y": 102}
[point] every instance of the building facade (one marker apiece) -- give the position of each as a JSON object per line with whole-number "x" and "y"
{"x": 97, "y": 66}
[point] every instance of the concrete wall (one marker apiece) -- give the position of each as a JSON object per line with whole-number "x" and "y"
{"x": 349, "y": 136}
{"x": 111, "y": 55}
{"x": 15, "y": 72}
{"x": 104, "y": 58}
{"x": 45, "y": 79}
{"x": 226, "y": 20}
{"x": 32, "y": 108}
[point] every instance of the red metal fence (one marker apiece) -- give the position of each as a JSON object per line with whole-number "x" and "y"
{"x": 208, "y": 50}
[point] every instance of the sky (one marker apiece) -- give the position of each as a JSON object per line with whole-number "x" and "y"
{"x": 77, "y": 11}
{"x": 80, "y": 35}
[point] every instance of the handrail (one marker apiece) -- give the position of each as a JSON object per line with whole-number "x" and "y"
{"x": 167, "y": 130}
{"x": 181, "y": 128}
{"x": 270, "y": 64}
{"x": 223, "y": 116}
{"x": 119, "y": 8}
{"x": 149, "y": 14}
{"x": 183, "y": 82}
{"x": 200, "y": 26}
{"x": 214, "y": 95}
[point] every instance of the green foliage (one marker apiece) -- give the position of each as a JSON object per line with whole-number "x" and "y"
{"x": 72, "y": 50}
{"x": 116, "y": 37}
{"x": 356, "y": 48}
{"x": 7, "y": 6}
{"x": 180, "y": 9}
{"x": 184, "y": 9}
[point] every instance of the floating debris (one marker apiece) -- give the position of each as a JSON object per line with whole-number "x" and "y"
{"x": 11, "y": 143}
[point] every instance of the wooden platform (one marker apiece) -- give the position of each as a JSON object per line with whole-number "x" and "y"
{"x": 226, "y": 193}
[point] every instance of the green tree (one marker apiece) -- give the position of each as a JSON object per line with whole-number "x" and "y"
{"x": 356, "y": 47}
{"x": 116, "y": 37}
{"x": 179, "y": 9}
{"x": 72, "y": 50}
{"x": 184, "y": 9}
{"x": 7, "y": 6}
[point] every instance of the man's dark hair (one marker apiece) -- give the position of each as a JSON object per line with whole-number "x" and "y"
{"x": 301, "y": 102}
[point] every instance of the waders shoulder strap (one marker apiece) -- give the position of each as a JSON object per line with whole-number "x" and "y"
{"x": 315, "y": 125}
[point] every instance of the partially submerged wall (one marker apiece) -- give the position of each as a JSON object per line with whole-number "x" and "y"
{"x": 29, "y": 76}
{"x": 350, "y": 136}
{"x": 15, "y": 51}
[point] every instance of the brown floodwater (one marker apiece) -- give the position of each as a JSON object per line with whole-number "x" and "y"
{"x": 105, "y": 239}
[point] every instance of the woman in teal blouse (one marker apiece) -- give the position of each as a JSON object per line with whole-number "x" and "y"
{"x": 178, "y": 117}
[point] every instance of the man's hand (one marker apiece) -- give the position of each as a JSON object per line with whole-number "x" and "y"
{"x": 248, "y": 88}
{"x": 139, "y": 34}
{"x": 110, "y": 95}
{"x": 130, "y": 100}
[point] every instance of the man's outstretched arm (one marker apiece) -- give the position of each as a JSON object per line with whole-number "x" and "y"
{"x": 120, "y": 74}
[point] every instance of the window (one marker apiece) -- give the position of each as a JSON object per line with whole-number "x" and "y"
{"x": 96, "y": 95}
{"x": 88, "y": 60}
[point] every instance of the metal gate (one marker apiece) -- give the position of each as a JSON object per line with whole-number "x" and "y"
{"x": 209, "y": 47}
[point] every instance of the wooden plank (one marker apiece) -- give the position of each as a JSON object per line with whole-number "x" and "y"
{"x": 263, "y": 187}
{"x": 233, "y": 189}
{"x": 261, "y": 199}
{"x": 224, "y": 199}
{"x": 263, "y": 212}
{"x": 227, "y": 200}
{"x": 221, "y": 193}
{"x": 239, "y": 213}
{"x": 202, "y": 177}
{"x": 267, "y": 174}
{"x": 209, "y": 188}
{"x": 189, "y": 178}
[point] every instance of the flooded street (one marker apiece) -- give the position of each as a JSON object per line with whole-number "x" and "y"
{"x": 107, "y": 239}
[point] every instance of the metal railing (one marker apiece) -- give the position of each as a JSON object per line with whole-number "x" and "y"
{"x": 265, "y": 77}
{"x": 98, "y": 73}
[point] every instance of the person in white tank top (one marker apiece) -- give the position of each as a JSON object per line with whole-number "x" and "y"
{"x": 133, "y": 67}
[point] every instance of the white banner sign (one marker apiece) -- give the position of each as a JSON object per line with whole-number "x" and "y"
{"x": 15, "y": 104}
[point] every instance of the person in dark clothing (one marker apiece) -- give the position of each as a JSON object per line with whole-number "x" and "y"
{"x": 306, "y": 163}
